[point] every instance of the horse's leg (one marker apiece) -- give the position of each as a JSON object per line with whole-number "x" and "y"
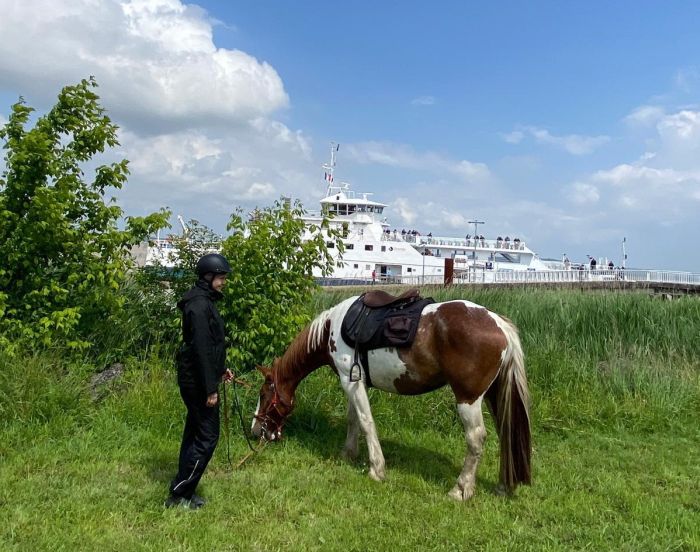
{"x": 357, "y": 397}
{"x": 350, "y": 449}
{"x": 475, "y": 433}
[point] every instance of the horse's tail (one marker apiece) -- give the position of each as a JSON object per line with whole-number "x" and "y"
{"x": 509, "y": 399}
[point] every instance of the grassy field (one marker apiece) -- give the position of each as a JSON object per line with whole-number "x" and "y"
{"x": 615, "y": 383}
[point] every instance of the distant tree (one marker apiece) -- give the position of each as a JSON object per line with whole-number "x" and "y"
{"x": 153, "y": 291}
{"x": 63, "y": 256}
{"x": 268, "y": 296}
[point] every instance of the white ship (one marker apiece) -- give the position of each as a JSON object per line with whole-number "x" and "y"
{"x": 374, "y": 250}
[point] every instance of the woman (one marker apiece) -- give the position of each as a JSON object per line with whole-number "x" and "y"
{"x": 201, "y": 367}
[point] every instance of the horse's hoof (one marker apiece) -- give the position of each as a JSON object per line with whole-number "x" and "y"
{"x": 460, "y": 494}
{"x": 377, "y": 475}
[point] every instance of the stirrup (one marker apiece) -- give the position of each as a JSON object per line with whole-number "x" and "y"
{"x": 352, "y": 377}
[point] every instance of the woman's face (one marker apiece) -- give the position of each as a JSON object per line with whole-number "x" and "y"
{"x": 218, "y": 282}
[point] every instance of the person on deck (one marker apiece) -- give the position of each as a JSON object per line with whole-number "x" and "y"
{"x": 201, "y": 367}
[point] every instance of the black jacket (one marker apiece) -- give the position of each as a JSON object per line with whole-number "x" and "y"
{"x": 202, "y": 357}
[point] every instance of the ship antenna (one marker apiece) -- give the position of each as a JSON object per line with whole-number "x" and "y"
{"x": 329, "y": 168}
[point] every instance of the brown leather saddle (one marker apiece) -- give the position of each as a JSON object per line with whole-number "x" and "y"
{"x": 378, "y": 319}
{"x": 379, "y": 298}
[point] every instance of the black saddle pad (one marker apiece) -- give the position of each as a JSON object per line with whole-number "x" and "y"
{"x": 395, "y": 325}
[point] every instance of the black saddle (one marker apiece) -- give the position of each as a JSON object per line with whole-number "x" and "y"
{"x": 378, "y": 319}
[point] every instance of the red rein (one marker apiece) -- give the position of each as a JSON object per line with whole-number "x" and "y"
{"x": 266, "y": 418}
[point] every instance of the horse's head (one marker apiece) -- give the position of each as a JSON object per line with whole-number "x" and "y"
{"x": 274, "y": 406}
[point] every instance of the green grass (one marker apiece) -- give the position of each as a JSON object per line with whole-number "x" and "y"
{"x": 615, "y": 380}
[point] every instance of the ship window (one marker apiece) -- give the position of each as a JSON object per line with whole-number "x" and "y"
{"x": 379, "y": 210}
{"x": 349, "y": 246}
{"x": 409, "y": 270}
{"x": 370, "y": 209}
{"x": 366, "y": 267}
{"x": 343, "y": 209}
{"x": 356, "y": 266}
{"x": 369, "y": 247}
{"x": 351, "y": 209}
{"x": 383, "y": 248}
{"x": 330, "y": 245}
{"x": 361, "y": 208}
{"x": 345, "y": 229}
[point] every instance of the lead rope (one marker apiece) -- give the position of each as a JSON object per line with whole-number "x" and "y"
{"x": 237, "y": 405}
{"x": 239, "y": 409}
{"x": 227, "y": 428}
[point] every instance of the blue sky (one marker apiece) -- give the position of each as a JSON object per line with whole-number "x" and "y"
{"x": 569, "y": 125}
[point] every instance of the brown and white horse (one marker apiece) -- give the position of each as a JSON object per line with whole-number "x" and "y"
{"x": 474, "y": 351}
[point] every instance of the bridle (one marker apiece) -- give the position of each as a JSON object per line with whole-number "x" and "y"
{"x": 273, "y": 408}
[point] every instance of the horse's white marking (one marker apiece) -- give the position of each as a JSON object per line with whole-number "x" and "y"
{"x": 255, "y": 416}
{"x": 435, "y": 306}
{"x": 357, "y": 397}
{"x": 475, "y": 434}
{"x": 503, "y": 327}
{"x": 385, "y": 366}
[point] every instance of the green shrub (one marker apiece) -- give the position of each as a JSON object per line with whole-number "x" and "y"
{"x": 63, "y": 255}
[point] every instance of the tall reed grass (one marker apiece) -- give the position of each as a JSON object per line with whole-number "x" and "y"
{"x": 599, "y": 358}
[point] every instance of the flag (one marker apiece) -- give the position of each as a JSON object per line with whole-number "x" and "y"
{"x": 328, "y": 177}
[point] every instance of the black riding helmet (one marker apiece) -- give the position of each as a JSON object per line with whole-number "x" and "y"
{"x": 212, "y": 263}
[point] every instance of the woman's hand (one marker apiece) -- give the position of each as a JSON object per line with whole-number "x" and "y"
{"x": 213, "y": 399}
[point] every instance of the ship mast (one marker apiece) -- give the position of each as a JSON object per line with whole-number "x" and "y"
{"x": 329, "y": 168}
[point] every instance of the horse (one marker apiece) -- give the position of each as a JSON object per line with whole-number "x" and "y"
{"x": 458, "y": 343}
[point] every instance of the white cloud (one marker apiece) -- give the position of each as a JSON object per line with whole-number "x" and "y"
{"x": 406, "y": 157}
{"x": 155, "y": 61}
{"x": 405, "y": 210}
{"x": 514, "y": 137}
{"x": 275, "y": 131}
{"x": 574, "y": 144}
{"x": 213, "y": 173}
{"x": 472, "y": 171}
{"x": 453, "y": 220}
{"x": 683, "y": 126}
{"x": 423, "y": 100}
{"x": 196, "y": 119}
{"x": 662, "y": 186}
{"x": 583, "y": 193}
{"x": 645, "y": 115}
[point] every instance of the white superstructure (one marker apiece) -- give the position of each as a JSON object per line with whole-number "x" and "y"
{"x": 374, "y": 249}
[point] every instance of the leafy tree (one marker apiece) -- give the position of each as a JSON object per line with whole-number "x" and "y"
{"x": 62, "y": 254}
{"x": 152, "y": 292}
{"x": 268, "y": 296}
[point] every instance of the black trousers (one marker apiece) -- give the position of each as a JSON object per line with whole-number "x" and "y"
{"x": 199, "y": 441}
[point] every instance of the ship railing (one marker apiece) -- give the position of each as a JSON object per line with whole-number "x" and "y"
{"x": 471, "y": 243}
{"x": 482, "y": 276}
{"x": 606, "y": 275}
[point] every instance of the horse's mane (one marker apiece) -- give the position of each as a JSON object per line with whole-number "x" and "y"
{"x": 305, "y": 343}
